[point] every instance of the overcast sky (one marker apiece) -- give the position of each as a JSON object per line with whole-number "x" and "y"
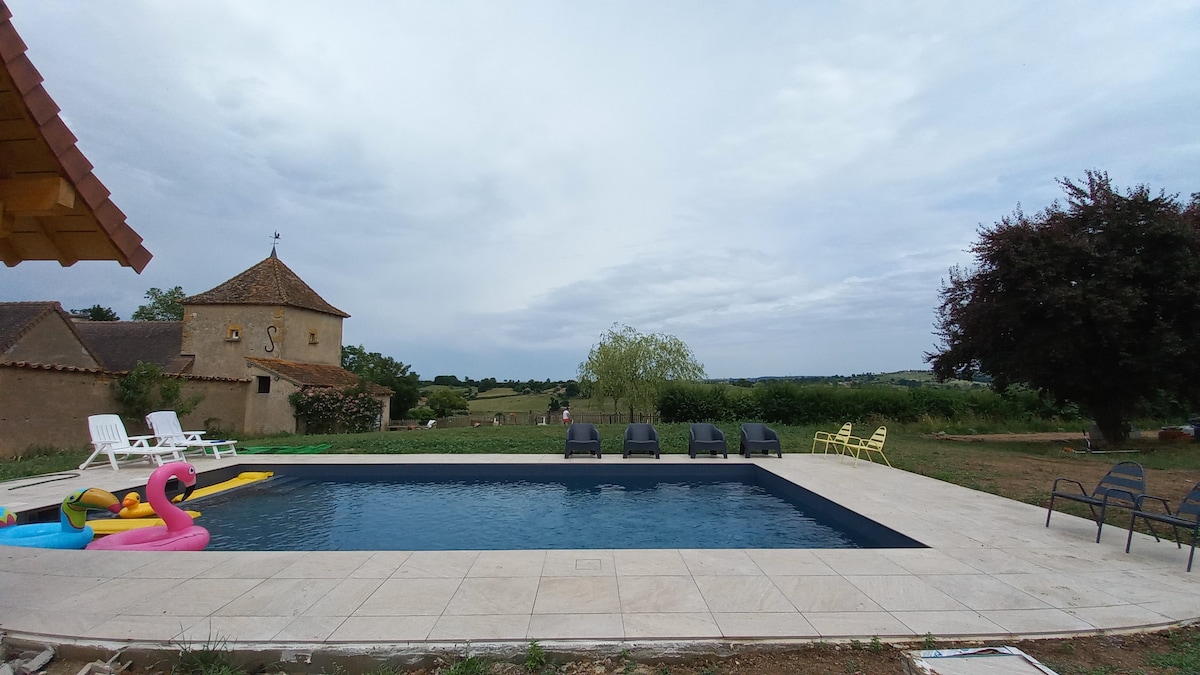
{"x": 487, "y": 186}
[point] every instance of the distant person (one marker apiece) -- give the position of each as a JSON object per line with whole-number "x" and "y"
{"x": 566, "y": 415}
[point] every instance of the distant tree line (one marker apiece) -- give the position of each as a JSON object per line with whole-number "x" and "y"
{"x": 792, "y": 403}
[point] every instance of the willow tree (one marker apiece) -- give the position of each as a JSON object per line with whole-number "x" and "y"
{"x": 628, "y": 366}
{"x": 1097, "y": 302}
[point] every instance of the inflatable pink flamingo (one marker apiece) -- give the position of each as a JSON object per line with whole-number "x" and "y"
{"x": 179, "y": 533}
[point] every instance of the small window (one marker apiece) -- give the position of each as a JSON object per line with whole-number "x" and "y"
{"x": 312, "y": 337}
{"x": 264, "y": 384}
{"x": 233, "y": 334}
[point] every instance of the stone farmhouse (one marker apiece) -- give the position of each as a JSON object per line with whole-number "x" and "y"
{"x": 246, "y": 345}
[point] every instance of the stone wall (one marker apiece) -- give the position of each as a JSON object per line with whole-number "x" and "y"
{"x": 56, "y": 416}
{"x": 51, "y": 340}
{"x": 221, "y": 336}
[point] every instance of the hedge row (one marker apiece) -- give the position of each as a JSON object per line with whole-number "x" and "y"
{"x": 791, "y": 403}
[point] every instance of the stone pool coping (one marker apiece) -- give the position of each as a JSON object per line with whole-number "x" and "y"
{"x": 992, "y": 572}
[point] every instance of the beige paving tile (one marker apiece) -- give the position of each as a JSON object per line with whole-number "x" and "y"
{"x": 701, "y": 562}
{"x": 329, "y": 565}
{"x": 949, "y": 624}
{"x": 577, "y": 595}
{"x": 855, "y": 562}
{"x": 494, "y": 595}
{"x": 508, "y": 564}
{"x": 384, "y": 629}
{"x": 1179, "y": 609}
{"x": 694, "y": 625}
{"x": 901, "y": 593}
{"x": 33, "y": 591}
{"x": 575, "y": 626}
{"x": 216, "y": 629}
{"x": 278, "y": 597}
{"x": 1107, "y": 618}
{"x": 856, "y": 624}
{"x": 405, "y": 597}
{"x": 51, "y": 622}
{"x": 437, "y": 564}
{"x": 994, "y": 561}
{"x": 116, "y": 595}
{"x": 381, "y": 565}
{"x": 345, "y": 598}
{"x": 176, "y": 564}
{"x": 481, "y": 627}
{"x": 252, "y": 565}
{"x": 598, "y": 563}
{"x": 789, "y": 562}
{"x": 199, "y": 597}
{"x": 134, "y": 627}
{"x": 1030, "y": 621}
{"x": 742, "y": 594}
{"x": 635, "y": 562}
{"x": 824, "y": 594}
{"x": 660, "y": 594}
{"x": 927, "y": 561}
{"x": 980, "y": 591}
{"x": 764, "y": 625}
{"x": 310, "y": 628}
{"x": 1059, "y": 590}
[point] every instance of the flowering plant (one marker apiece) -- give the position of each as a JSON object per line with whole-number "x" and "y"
{"x": 331, "y": 410}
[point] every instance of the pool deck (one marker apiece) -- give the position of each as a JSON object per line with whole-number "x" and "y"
{"x": 992, "y": 572}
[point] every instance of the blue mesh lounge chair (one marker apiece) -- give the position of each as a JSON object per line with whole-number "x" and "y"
{"x": 641, "y": 438}
{"x": 1121, "y": 486}
{"x": 582, "y": 438}
{"x": 759, "y": 438}
{"x": 1187, "y": 516}
{"x": 708, "y": 438}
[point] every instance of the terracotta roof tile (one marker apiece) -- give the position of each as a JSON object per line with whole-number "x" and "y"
{"x": 313, "y": 374}
{"x": 17, "y": 318}
{"x": 119, "y": 345}
{"x": 271, "y": 283}
{"x": 78, "y": 369}
{"x": 37, "y": 144}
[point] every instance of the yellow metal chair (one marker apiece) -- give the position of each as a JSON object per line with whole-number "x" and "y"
{"x": 857, "y": 446}
{"x": 838, "y": 440}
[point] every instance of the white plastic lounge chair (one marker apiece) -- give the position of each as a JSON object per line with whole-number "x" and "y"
{"x": 109, "y": 437}
{"x": 169, "y": 433}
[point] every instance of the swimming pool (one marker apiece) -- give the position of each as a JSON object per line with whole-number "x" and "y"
{"x": 472, "y": 507}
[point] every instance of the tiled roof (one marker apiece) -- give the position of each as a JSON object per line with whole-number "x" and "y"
{"x": 313, "y": 374}
{"x": 78, "y": 369}
{"x": 18, "y": 318}
{"x": 69, "y": 216}
{"x": 119, "y": 345}
{"x": 270, "y": 282}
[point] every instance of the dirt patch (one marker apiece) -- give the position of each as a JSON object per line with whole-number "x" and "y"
{"x": 1162, "y": 653}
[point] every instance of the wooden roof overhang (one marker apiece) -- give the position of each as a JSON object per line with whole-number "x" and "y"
{"x": 52, "y": 207}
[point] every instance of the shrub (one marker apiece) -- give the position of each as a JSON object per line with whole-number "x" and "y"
{"x": 146, "y": 388}
{"x": 331, "y": 410}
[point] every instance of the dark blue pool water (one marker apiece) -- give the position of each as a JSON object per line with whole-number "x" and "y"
{"x": 568, "y": 510}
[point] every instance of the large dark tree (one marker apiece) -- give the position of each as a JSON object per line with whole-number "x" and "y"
{"x": 387, "y": 372}
{"x": 163, "y": 306}
{"x": 1096, "y": 302}
{"x": 98, "y": 313}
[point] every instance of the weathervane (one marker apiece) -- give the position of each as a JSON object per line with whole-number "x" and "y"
{"x": 274, "y": 242}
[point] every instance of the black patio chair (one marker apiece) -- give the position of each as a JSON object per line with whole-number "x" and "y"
{"x": 704, "y": 437}
{"x": 1187, "y": 515}
{"x": 583, "y": 437}
{"x": 1121, "y": 487}
{"x": 759, "y": 438}
{"x": 641, "y": 438}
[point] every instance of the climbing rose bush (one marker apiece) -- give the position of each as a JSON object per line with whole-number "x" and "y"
{"x": 328, "y": 410}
